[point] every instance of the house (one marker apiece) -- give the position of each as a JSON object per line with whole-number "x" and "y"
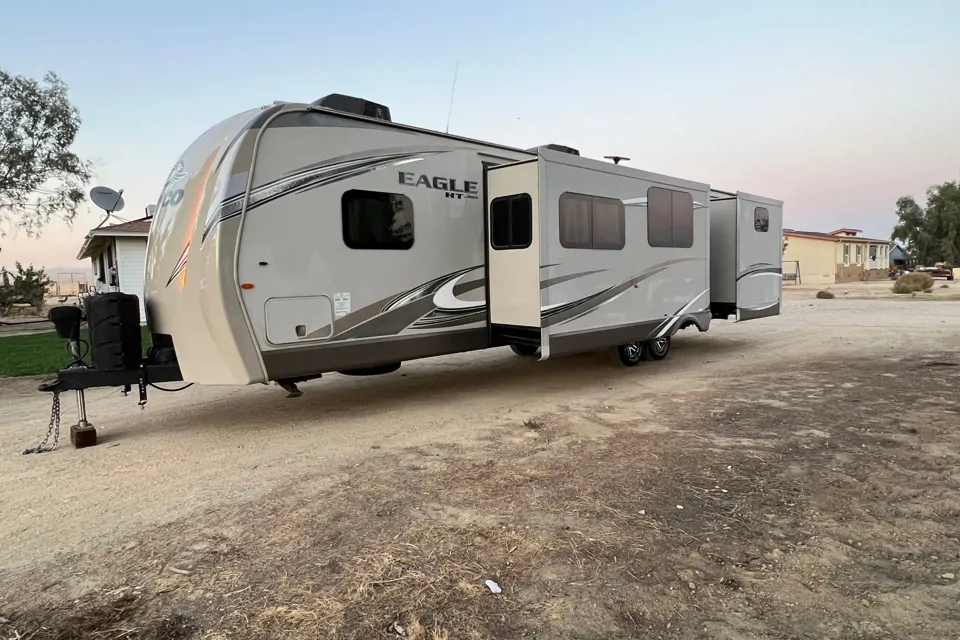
{"x": 118, "y": 253}
{"x": 898, "y": 256}
{"x": 839, "y": 256}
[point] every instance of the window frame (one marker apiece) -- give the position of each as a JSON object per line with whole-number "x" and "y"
{"x": 673, "y": 218}
{"x": 757, "y": 218}
{"x": 510, "y": 246}
{"x": 345, "y": 220}
{"x": 592, "y": 200}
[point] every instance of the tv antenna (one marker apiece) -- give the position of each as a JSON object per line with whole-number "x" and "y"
{"x": 107, "y": 199}
{"x": 452, "y": 92}
{"x": 616, "y": 159}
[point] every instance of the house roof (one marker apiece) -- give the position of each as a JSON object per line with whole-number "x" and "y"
{"x": 96, "y": 238}
{"x": 141, "y": 227}
{"x": 832, "y": 236}
{"x": 845, "y": 230}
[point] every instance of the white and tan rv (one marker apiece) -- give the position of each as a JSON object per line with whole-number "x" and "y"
{"x": 299, "y": 239}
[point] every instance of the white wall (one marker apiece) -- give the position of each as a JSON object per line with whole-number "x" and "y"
{"x": 131, "y": 257}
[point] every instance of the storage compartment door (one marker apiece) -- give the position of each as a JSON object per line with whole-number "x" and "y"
{"x": 759, "y": 256}
{"x": 300, "y": 319}
{"x": 513, "y": 253}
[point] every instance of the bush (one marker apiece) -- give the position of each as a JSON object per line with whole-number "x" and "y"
{"x": 917, "y": 280}
{"x": 944, "y": 286}
{"x": 902, "y": 287}
{"x": 25, "y": 286}
{"x": 6, "y": 293}
{"x": 825, "y": 295}
{"x": 930, "y": 290}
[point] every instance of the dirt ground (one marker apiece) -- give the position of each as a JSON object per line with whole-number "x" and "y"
{"x": 943, "y": 290}
{"x": 793, "y": 477}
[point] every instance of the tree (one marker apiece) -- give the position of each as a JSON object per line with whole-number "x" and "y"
{"x": 931, "y": 233}
{"x": 27, "y": 286}
{"x": 40, "y": 177}
{"x": 785, "y": 243}
{"x": 6, "y": 293}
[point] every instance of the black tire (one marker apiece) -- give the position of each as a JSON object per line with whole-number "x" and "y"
{"x": 525, "y": 350}
{"x": 657, "y": 348}
{"x": 630, "y": 355}
{"x": 372, "y": 371}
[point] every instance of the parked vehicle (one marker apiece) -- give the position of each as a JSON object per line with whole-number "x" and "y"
{"x": 301, "y": 239}
{"x": 940, "y": 270}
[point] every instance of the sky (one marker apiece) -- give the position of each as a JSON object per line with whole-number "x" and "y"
{"x": 836, "y": 107}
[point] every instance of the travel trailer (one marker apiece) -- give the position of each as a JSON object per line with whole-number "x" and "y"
{"x": 295, "y": 240}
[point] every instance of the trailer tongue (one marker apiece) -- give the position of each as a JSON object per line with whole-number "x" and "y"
{"x": 114, "y": 346}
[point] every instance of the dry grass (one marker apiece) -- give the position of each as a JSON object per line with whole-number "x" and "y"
{"x": 715, "y": 525}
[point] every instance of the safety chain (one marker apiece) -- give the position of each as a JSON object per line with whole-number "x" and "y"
{"x": 53, "y": 429}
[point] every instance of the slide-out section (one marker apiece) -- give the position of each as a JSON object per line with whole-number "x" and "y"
{"x": 513, "y": 253}
{"x": 746, "y": 255}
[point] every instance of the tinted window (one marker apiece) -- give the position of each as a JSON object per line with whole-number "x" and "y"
{"x": 576, "y": 221}
{"x": 669, "y": 218}
{"x": 761, "y": 219}
{"x": 511, "y": 222}
{"x": 608, "y": 224}
{"x": 591, "y": 222}
{"x": 659, "y": 217}
{"x": 682, "y": 219}
{"x": 376, "y": 220}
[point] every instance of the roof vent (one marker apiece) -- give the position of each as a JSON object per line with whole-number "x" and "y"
{"x": 557, "y": 147}
{"x": 350, "y": 104}
{"x": 562, "y": 149}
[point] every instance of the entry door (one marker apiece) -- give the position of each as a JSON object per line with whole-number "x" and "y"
{"x": 513, "y": 227}
{"x": 759, "y": 256}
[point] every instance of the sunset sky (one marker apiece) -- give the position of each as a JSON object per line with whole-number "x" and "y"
{"x": 837, "y": 108}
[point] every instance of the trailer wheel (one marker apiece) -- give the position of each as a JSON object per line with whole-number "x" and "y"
{"x": 525, "y": 350}
{"x": 631, "y": 354}
{"x": 657, "y": 349}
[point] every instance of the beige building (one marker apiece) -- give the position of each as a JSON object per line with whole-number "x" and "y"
{"x": 839, "y": 256}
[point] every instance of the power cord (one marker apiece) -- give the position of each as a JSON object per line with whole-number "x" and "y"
{"x": 186, "y": 386}
{"x": 83, "y": 355}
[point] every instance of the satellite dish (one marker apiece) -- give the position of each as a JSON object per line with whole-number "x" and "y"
{"x": 616, "y": 159}
{"x": 107, "y": 199}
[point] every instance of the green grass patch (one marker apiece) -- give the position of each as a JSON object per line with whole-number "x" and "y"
{"x": 41, "y": 354}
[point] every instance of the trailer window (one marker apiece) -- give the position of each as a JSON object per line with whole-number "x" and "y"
{"x": 511, "y": 222}
{"x": 761, "y": 219}
{"x": 669, "y": 218}
{"x": 576, "y": 221}
{"x": 591, "y": 222}
{"x": 377, "y": 220}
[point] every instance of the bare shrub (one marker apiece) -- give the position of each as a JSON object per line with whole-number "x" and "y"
{"x": 902, "y": 287}
{"x": 917, "y": 280}
{"x": 825, "y": 295}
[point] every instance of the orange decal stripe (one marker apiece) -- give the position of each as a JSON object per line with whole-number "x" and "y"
{"x": 194, "y": 215}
